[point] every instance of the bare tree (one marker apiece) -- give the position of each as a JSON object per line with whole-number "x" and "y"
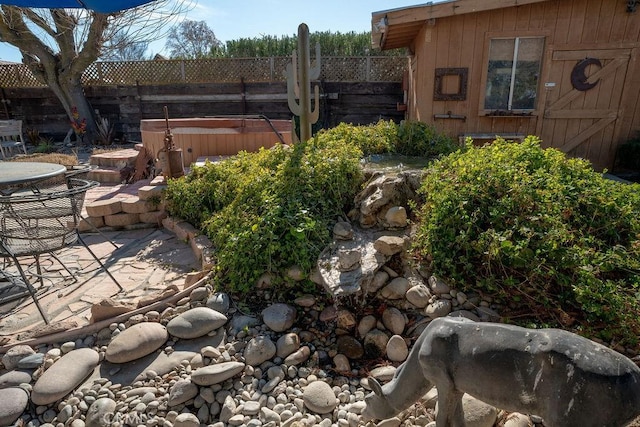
{"x": 191, "y": 40}
{"x": 59, "y": 44}
{"x": 122, "y": 48}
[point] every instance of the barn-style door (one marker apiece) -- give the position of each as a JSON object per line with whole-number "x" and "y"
{"x": 583, "y": 102}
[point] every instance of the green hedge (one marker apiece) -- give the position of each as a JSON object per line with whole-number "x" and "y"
{"x": 270, "y": 210}
{"x": 554, "y": 241}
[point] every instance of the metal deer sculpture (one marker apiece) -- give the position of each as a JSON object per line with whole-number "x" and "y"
{"x": 566, "y": 379}
{"x": 299, "y": 76}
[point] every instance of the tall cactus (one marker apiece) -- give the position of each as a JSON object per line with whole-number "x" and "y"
{"x": 299, "y": 76}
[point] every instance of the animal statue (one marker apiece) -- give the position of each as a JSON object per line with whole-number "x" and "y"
{"x": 566, "y": 379}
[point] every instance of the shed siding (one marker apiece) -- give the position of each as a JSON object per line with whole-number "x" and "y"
{"x": 592, "y": 26}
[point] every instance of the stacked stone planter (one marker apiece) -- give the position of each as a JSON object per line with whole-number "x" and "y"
{"x": 145, "y": 207}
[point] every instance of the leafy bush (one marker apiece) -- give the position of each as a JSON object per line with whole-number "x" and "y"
{"x": 421, "y": 139}
{"x": 267, "y": 211}
{"x": 410, "y": 138}
{"x": 546, "y": 235}
{"x": 378, "y": 138}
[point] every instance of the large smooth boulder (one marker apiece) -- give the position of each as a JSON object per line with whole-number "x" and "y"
{"x": 195, "y": 323}
{"x": 13, "y": 402}
{"x": 214, "y": 374}
{"x": 136, "y": 341}
{"x": 64, "y": 376}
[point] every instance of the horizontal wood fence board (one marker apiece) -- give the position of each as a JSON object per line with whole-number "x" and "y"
{"x": 125, "y": 106}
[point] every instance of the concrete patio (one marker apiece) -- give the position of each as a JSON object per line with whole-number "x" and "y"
{"x": 148, "y": 260}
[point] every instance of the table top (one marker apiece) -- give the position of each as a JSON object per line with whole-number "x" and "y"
{"x": 12, "y": 173}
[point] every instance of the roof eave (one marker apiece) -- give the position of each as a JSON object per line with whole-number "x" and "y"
{"x": 408, "y": 21}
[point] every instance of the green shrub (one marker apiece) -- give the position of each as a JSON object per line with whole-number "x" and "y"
{"x": 410, "y": 138}
{"x": 546, "y": 235}
{"x": 378, "y": 138}
{"x": 421, "y": 139}
{"x": 267, "y": 211}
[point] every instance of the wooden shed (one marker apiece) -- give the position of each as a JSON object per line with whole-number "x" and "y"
{"x": 567, "y": 71}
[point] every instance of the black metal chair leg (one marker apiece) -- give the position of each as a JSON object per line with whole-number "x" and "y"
{"x": 99, "y": 262}
{"x": 31, "y": 289}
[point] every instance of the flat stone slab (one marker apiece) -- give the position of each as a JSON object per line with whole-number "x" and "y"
{"x": 136, "y": 341}
{"x": 64, "y": 376}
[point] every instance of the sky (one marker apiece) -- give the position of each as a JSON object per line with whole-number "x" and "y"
{"x": 234, "y": 19}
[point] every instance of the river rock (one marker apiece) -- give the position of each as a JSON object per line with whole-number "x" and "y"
{"x": 186, "y": 419}
{"x": 199, "y": 294}
{"x": 15, "y": 354}
{"x": 299, "y": 356}
{"x": 393, "y": 320}
{"x": 397, "y": 350}
{"x": 383, "y": 373}
{"x": 101, "y": 413}
{"x": 13, "y": 402}
{"x": 258, "y": 350}
{"x": 319, "y": 397}
{"x": 182, "y": 391}
{"x": 31, "y": 362}
{"x": 220, "y": 302}
{"x": 341, "y": 362}
{"x": 346, "y": 320}
{"x": 343, "y": 231}
{"x": 516, "y": 419}
{"x": 375, "y": 343}
{"x": 136, "y": 341}
{"x": 396, "y": 217}
{"x": 287, "y": 344}
{"x": 269, "y": 416}
{"x": 306, "y": 300}
{"x": 380, "y": 278}
{"x": 396, "y": 289}
{"x": 488, "y": 315}
{"x": 477, "y": 413}
{"x": 240, "y": 322}
{"x": 64, "y": 375}
{"x": 295, "y": 273}
{"x": 389, "y": 245}
{"x": 438, "y": 286}
{"x": 349, "y": 259}
{"x": 279, "y": 317}
{"x": 14, "y": 379}
{"x": 214, "y": 374}
{"x": 418, "y": 295}
{"x": 438, "y": 308}
{"x": 195, "y": 323}
{"x": 350, "y": 347}
{"x": 366, "y": 324}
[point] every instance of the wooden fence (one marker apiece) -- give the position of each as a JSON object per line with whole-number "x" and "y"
{"x": 357, "y": 90}
{"x": 220, "y": 70}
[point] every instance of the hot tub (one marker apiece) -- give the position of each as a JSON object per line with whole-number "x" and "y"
{"x": 216, "y": 136}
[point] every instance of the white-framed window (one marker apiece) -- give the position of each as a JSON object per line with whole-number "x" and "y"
{"x": 513, "y": 72}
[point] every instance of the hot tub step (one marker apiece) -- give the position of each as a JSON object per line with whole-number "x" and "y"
{"x": 115, "y": 159}
{"x": 109, "y": 175}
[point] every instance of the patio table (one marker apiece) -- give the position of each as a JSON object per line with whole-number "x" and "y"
{"x": 17, "y": 173}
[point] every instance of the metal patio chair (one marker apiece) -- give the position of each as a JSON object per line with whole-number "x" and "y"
{"x": 33, "y": 223}
{"x": 11, "y": 137}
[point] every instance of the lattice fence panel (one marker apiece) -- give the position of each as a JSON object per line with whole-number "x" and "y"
{"x": 17, "y": 75}
{"x": 344, "y": 69}
{"x": 387, "y": 68}
{"x": 280, "y": 68}
{"x": 220, "y": 70}
{"x": 223, "y": 70}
